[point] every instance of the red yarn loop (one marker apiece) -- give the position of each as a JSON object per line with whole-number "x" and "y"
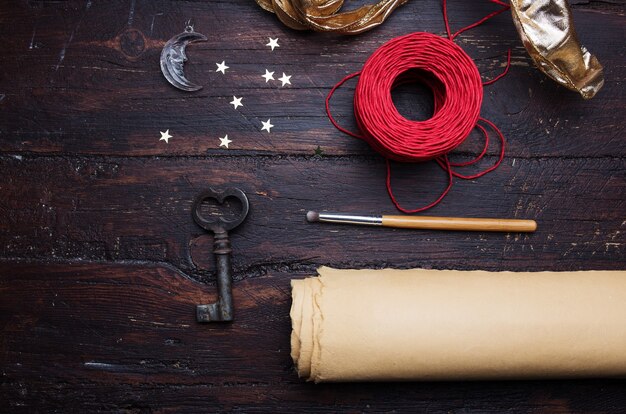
{"x": 458, "y": 92}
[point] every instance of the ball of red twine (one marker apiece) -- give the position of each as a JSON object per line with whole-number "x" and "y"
{"x": 457, "y": 89}
{"x": 456, "y": 86}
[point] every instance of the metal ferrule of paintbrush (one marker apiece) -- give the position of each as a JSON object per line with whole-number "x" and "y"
{"x": 313, "y": 216}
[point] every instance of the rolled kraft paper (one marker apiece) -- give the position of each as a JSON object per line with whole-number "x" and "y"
{"x": 388, "y": 325}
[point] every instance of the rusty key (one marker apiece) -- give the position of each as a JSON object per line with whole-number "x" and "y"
{"x": 222, "y": 310}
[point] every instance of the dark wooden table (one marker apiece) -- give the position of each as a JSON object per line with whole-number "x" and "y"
{"x": 101, "y": 264}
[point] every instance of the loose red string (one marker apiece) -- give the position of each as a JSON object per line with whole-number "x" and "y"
{"x": 457, "y": 90}
{"x": 504, "y": 8}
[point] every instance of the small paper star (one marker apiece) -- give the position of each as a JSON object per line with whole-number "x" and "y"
{"x": 165, "y": 136}
{"x": 285, "y": 79}
{"x": 267, "y": 126}
{"x": 225, "y": 141}
{"x": 268, "y": 76}
{"x": 221, "y": 67}
{"x": 273, "y": 43}
{"x": 236, "y": 102}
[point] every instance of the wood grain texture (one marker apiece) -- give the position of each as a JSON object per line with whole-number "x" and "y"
{"x": 101, "y": 264}
{"x": 89, "y": 73}
{"x": 140, "y": 350}
{"x": 58, "y": 209}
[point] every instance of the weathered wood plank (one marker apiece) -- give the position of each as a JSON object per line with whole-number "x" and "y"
{"x": 101, "y": 264}
{"x": 67, "y": 209}
{"x": 89, "y": 81}
{"x": 123, "y": 338}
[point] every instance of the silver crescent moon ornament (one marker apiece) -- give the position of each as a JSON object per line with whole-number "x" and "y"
{"x": 173, "y": 58}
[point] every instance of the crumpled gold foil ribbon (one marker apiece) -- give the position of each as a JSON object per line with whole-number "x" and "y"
{"x": 324, "y": 15}
{"x": 547, "y": 30}
{"x": 545, "y": 27}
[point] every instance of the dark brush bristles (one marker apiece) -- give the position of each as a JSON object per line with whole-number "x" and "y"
{"x": 312, "y": 216}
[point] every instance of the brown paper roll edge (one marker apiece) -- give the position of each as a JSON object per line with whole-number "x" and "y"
{"x": 599, "y": 333}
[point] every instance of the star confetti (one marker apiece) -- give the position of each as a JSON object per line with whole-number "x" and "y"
{"x": 273, "y": 43}
{"x": 268, "y": 76}
{"x": 267, "y": 126}
{"x": 221, "y": 67}
{"x": 225, "y": 141}
{"x": 236, "y": 102}
{"x": 285, "y": 79}
{"x": 165, "y": 136}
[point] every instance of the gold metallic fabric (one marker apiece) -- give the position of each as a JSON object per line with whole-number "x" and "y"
{"x": 547, "y": 30}
{"x": 324, "y": 15}
{"x": 545, "y": 26}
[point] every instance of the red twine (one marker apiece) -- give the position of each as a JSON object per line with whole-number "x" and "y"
{"x": 457, "y": 89}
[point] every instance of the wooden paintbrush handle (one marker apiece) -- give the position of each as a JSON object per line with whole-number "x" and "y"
{"x": 460, "y": 223}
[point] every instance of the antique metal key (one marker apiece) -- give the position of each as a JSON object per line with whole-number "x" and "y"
{"x": 222, "y": 310}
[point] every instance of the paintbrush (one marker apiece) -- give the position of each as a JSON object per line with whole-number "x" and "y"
{"x": 427, "y": 223}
